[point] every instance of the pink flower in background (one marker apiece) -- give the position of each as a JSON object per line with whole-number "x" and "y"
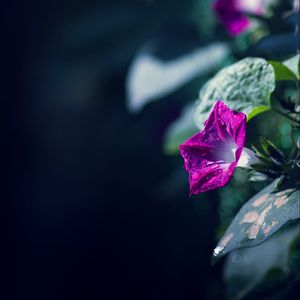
{"x": 211, "y": 156}
{"x": 232, "y": 13}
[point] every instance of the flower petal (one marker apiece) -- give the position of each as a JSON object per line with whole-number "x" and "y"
{"x": 211, "y": 155}
{"x": 231, "y": 16}
{"x": 210, "y": 177}
{"x": 230, "y": 126}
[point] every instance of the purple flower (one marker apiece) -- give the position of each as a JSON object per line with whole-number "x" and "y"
{"x": 211, "y": 156}
{"x": 232, "y": 13}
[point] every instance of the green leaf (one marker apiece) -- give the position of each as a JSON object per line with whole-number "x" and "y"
{"x": 272, "y": 151}
{"x": 257, "y": 111}
{"x": 244, "y": 86}
{"x": 262, "y": 156}
{"x": 282, "y": 72}
{"x": 259, "y": 218}
{"x": 180, "y": 130}
{"x": 151, "y": 78}
{"x": 293, "y": 64}
{"x": 245, "y": 269}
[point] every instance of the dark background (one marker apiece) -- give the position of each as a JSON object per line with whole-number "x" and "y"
{"x": 92, "y": 216}
{"x": 95, "y": 211}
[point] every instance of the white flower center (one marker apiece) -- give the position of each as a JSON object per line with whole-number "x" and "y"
{"x": 247, "y": 158}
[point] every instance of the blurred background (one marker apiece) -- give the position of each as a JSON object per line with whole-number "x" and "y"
{"x": 101, "y": 211}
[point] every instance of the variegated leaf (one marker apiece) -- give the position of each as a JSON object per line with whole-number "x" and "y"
{"x": 259, "y": 218}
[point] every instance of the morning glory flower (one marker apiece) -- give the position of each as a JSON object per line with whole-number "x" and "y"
{"x": 211, "y": 156}
{"x": 232, "y": 13}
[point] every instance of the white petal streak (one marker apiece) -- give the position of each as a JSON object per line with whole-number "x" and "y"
{"x": 247, "y": 159}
